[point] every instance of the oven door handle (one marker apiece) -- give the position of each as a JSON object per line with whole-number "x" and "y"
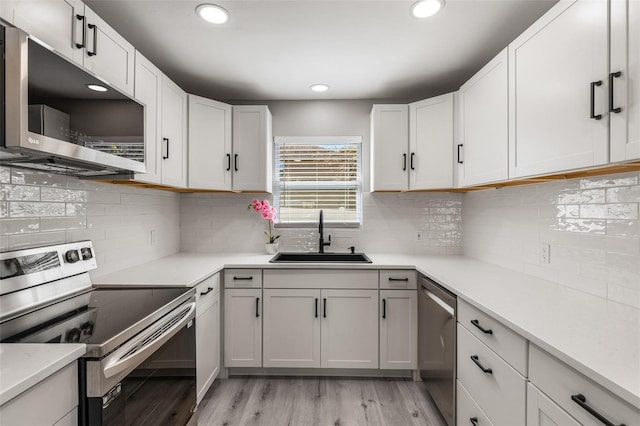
{"x": 124, "y": 359}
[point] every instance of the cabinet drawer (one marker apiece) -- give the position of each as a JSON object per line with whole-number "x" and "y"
{"x": 243, "y": 278}
{"x": 205, "y": 292}
{"x": 398, "y": 278}
{"x": 320, "y": 278}
{"x": 467, "y": 409}
{"x": 508, "y": 344}
{"x": 561, "y": 383}
{"x": 46, "y": 403}
{"x": 500, "y": 393}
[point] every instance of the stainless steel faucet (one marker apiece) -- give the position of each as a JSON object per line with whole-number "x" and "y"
{"x": 321, "y": 230}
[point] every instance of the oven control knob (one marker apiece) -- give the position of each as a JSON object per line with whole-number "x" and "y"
{"x": 72, "y": 256}
{"x": 86, "y": 253}
{"x": 73, "y": 335}
{"x": 87, "y": 328}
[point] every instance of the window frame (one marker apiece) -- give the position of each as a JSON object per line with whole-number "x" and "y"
{"x": 320, "y": 140}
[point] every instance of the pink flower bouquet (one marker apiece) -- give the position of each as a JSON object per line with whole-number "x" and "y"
{"x": 268, "y": 213}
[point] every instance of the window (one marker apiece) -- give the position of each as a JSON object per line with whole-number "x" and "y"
{"x": 314, "y": 173}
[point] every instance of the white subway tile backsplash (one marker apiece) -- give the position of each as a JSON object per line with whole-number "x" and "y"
{"x": 591, "y": 225}
{"x": 19, "y": 193}
{"x": 35, "y": 209}
{"x": 19, "y": 226}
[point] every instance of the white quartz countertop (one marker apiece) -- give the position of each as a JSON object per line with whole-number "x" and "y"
{"x": 599, "y": 338}
{"x": 23, "y": 365}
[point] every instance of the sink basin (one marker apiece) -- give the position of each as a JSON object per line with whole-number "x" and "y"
{"x": 320, "y": 257}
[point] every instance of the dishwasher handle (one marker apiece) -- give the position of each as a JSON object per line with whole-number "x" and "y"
{"x": 439, "y": 301}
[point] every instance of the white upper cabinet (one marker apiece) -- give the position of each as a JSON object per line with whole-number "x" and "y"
{"x": 252, "y": 148}
{"x": 389, "y": 142}
{"x": 483, "y": 125}
{"x": 558, "y": 91}
{"x": 108, "y": 54}
{"x": 624, "y": 78}
{"x": 209, "y": 144}
{"x": 148, "y": 90}
{"x": 174, "y": 135}
{"x": 77, "y": 33}
{"x": 431, "y": 143}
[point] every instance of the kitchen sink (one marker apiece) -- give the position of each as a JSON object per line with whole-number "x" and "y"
{"x": 320, "y": 257}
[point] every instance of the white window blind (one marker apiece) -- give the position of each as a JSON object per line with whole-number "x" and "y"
{"x": 313, "y": 173}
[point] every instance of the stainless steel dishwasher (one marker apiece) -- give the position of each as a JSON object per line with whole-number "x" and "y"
{"x": 437, "y": 346}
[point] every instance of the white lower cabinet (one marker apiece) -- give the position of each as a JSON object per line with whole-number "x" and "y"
{"x": 243, "y": 327}
{"x": 398, "y": 329}
{"x": 291, "y": 331}
{"x": 53, "y": 401}
{"x": 349, "y": 332}
{"x": 467, "y": 411}
{"x": 207, "y": 334}
{"x": 541, "y": 411}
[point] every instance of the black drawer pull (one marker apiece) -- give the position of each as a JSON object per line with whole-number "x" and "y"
{"x": 581, "y": 400}
{"x": 475, "y": 359}
{"x": 316, "y": 307}
{"x": 166, "y": 141}
{"x": 460, "y": 161}
{"x": 612, "y": 108}
{"x": 324, "y": 308}
{"x": 592, "y": 93}
{"x": 405, "y": 279}
{"x": 242, "y": 278}
{"x": 404, "y": 162}
{"x": 474, "y": 421}
{"x": 484, "y": 330}
{"x": 84, "y": 31}
{"x": 384, "y": 308}
{"x": 93, "y": 27}
{"x": 204, "y": 293}
{"x": 413, "y": 154}
{"x": 235, "y": 162}
{"x": 257, "y": 307}
{"x": 228, "y": 162}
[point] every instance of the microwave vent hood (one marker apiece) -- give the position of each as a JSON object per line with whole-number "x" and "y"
{"x": 52, "y": 122}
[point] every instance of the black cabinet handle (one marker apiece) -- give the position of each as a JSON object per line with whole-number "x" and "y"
{"x": 413, "y": 154}
{"x": 228, "y": 162}
{"x": 474, "y": 421}
{"x": 94, "y": 27}
{"x": 257, "y": 307}
{"x": 475, "y": 359}
{"x": 484, "y": 330}
{"x": 242, "y": 278}
{"x": 459, "y": 157}
{"x": 316, "y": 307}
{"x": 593, "y": 86}
{"x": 404, "y": 162}
{"x": 613, "y": 75}
{"x": 166, "y": 144}
{"x": 204, "y": 293}
{"x": 84, "y": 31}
{"x": 235, "y": 162}
{"x": 405, "y": 279}
{"x": 581, "y": 400}
{"x": 384, "y": 308}
{"x": 324, "y": 308}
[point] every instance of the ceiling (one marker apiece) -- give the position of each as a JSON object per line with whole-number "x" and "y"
{"x": 275, "y": 50}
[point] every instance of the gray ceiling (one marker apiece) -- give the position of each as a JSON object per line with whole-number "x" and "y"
{"x": 274, "y": 50}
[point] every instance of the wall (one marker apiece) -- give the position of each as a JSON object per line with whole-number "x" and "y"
{"x": 591, "y": 225}
{"x": 40, "y": 208}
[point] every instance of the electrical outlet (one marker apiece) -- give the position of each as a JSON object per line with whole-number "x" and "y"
{"x": 545, "y": 253}
{"x": 419, "y": 235}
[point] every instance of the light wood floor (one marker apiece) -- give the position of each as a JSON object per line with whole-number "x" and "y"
{"x": 275, "y": 401}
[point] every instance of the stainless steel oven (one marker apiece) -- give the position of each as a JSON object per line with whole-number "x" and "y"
{"x": 140, "y": 366}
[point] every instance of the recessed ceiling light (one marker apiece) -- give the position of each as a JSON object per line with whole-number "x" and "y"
{"x": 426, "y": 8}
{"x": 97, "y": 87}
{"x": 320, "y": 87}
{"x": 212, "y": 13}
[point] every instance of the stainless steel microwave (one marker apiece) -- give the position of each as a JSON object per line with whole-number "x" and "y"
{"x": 54, "y": 120}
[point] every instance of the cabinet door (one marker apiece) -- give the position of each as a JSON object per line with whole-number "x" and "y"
{"x": 252, "y": 149}
{"x": 209, "y": 144}
{"x": 243, "y": 327}
{"x": 291, "y": 328}
{"x": 625, "y": 60}
{"x": 148, "y": 90}
{"x": 59, "y": 23}
{"x": 399, "y": 329}
{"x": 174, "y": 135}
{"x": 107, "y": 54}
{"x": 551, "y": 68}
{"x": 349, "y": 331}
{"x": 389, "y": 146}
{"x": 208, "y": 344}
{"x": 541, "y": 411}
{"x": 431, "y": 143}
{"x": 484, "y": 125}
